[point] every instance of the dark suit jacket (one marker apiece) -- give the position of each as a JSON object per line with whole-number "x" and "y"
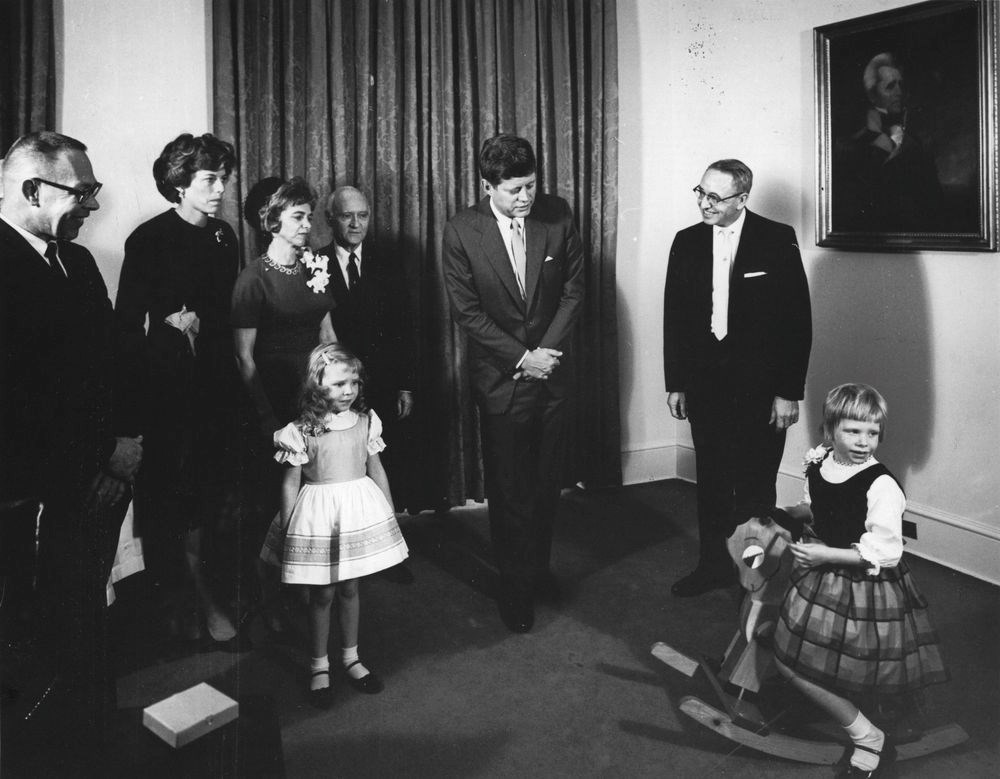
{"x": 375, "y": 323}
{"x": 56, "y": 354}
{"x": 770, "y": 325}
{"x": 487, "y": 304}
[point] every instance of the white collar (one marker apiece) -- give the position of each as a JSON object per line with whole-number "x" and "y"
{"x": 344, "y": 256}
{"x": 505, "y": 220}
{"x": 736, "y": 228}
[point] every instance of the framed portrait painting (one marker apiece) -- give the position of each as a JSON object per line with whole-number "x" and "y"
{"x": 907, "y": 129}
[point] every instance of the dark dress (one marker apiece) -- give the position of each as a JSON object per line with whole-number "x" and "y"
{"x": 286, "y": 314}
{"x": 180, "y": 397}
{"x": 844, "y": 628}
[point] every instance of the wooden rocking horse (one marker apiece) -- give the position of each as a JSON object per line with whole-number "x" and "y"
{"x": 759, "y": 547}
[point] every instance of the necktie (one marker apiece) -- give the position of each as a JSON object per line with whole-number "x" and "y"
{"x": 353, "y": 274}
{"x": 721, "y": 269}
{"x": 52, "y": 255}
{"x": 520, "y": 260}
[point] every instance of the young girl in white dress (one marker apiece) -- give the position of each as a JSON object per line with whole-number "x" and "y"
{"x": 336, "y": 522}
{"x": 853, "y": 623}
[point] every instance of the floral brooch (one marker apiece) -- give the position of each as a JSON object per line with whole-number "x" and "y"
{"x": 317, "y": 265}
{"x": 815, "y": 456}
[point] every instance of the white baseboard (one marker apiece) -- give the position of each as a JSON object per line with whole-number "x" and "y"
{"x": 653, "y": 464}
{"x": 960, "y": 543}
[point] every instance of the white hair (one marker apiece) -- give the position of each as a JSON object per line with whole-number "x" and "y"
{"x": 870, "y": 77}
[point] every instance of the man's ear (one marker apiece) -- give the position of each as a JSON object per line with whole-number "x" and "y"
{"x": 30, "y": 190}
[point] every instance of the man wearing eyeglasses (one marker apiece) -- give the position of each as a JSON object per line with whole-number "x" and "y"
{"x": 61, "y": 465}
{"x": 737, "y": 331}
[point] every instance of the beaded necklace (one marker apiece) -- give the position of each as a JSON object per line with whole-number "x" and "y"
{"x": 288, "y": 270}
{"x": 842, "y": 464}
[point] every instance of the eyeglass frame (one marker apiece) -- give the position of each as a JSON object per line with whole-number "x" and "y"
{"x": 711, "y": 197}
{"x": 81, "y": 195}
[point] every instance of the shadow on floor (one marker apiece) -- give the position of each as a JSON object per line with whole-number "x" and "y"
{"x": 578, "y": 696}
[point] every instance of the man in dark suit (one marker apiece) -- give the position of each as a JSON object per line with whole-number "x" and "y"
{"x": 736, "y": 337}
{"x": 56, "y": 441}
{"x": 371, "y": 318}
{"x": 513, "y": 266}
{"x": 372, "y": 313}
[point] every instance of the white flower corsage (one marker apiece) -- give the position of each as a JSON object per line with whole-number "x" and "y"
{"x": 317, "y": 265}
{"x": 815, "y": 455}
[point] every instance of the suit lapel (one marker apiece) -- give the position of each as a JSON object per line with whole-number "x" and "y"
{"x": 705, "y": 258}
{"x": 535, "y": 234}
{"x": 743, "y": 252}
{"x": 495, "y": 250}
{"x": 337, "y": 277}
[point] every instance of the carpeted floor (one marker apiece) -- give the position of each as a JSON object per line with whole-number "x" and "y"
{"x": 578, "y": 696}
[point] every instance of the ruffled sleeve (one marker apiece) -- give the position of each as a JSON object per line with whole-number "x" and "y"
{"x": 375, "y": 442}
{"x": 291, "y": 445}
{"x": 881, "y": 545}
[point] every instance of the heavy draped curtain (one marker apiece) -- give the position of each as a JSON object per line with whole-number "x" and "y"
{"x": 27, "y": 69}
{"x": 396, "y": 97}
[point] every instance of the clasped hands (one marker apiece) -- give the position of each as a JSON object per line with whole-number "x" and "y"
{"x": 538, "y": 364}
{"x": 110, "y": 485}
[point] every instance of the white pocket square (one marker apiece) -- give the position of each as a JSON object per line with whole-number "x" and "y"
{"x": 754, "y": 274}
{"x": 549, "y": 259}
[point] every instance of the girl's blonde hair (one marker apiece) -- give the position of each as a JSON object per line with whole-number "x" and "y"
{"x": 854, "y": 401}
{"x": 314, "y": 402}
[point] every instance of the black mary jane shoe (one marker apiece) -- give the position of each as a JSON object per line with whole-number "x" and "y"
{"x": 886, "y": 755}
{"x": 323, "y": 697}
{"x": 369, "y": 684}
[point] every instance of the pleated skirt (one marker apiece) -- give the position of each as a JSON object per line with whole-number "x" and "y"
{"x": 337, "y": 531}
{"x": 846, "y": 630}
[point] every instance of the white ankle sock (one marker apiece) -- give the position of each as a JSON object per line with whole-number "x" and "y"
{"x": 864, "y": 734}
{"x": 319, "y": 680}
{"x": 350, "y": 655}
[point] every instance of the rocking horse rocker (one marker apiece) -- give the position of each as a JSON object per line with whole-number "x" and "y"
{"x": 760, "y": 549}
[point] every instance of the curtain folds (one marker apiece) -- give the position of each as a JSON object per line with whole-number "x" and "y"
{"x": 27, "y": 69}
{"x": 396, "y": 97}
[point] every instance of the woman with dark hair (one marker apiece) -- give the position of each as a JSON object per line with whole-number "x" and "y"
{"x": 256, "y": 199}
{"x": 280, "y": 313}
{"x": 176, "y": 383}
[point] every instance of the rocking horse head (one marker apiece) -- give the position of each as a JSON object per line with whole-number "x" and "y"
{"x": 758, "y": 547}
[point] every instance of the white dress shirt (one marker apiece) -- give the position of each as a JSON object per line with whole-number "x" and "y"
{"x": 725, "y": 243}
{"x": 504, "y": 225}
{"x": 344, "y": 259}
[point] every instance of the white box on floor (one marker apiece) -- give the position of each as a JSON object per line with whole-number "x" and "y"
{"x": 188, "y": 715}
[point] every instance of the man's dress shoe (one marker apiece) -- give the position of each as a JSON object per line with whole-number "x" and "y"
{"x": 517, "y": 614}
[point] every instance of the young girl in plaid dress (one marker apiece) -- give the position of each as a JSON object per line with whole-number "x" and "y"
{"x": 336, "y": 522}
{"x": 853, "y": 622}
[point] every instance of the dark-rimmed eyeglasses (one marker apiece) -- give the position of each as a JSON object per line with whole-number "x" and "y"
{"x": 82, "y": 194}
{"x": 711, "y": 197}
